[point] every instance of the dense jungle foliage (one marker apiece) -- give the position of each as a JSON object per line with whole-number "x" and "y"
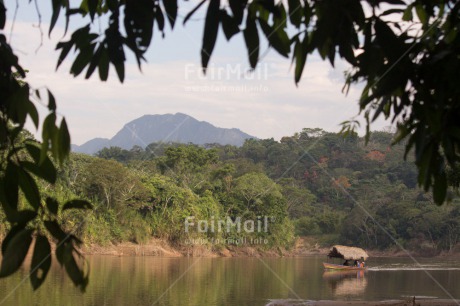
{"x": 314, "y": 183}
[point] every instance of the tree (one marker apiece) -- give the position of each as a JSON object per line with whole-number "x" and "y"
{"x": 112, "y": 184}
{"x": 256, "y": 196}
{"x": 115, "y": 153}
{"x": 298, "y": 200}
{"x": 410, "y": 69}
{"x": 188, "y": 164}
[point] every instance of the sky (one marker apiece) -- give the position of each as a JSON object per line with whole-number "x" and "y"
{"x": 265, "y": 103}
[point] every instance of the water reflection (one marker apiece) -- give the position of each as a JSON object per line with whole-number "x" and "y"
{"x": 231, "y": 281}
{"x": 346, "y": 283}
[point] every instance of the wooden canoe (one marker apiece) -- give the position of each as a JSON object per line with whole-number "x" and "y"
{"x": 330, "y": 266}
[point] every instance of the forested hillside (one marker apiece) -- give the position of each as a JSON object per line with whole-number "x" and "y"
{"x": 314, "y": 183}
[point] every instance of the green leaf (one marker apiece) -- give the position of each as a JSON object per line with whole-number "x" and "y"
{"x": 52, "y": 205}
{"x": 229, "y": 25}
{"x": 139, "y": 21}
{"x": 44, "y": 170}
{"x": 300, "y": 54}
{"x": 251, "y": 37}
{"x": 23, "y": 217}
{"x": 94, "y": 61}
{"x": 17, "y": 104}
{"x": 11, "y": 182}
{"x": 295, "y": 12}
{"x": 4, "y": 203}
{"x": 171, "y": 11}
{"x": 187, "y": 17}
{"x": 33, "y": 150}
{"x": 211, "y": 28}
{"x": 115, "y": 49}
{"x": 55, "y": 15}
{"x": 160, "y": 19}
{"x": 77, "y": 204}
{"x": 64, "y": 141}
{"x": 15, "y": 252}
{"x": 48, "y": 133}
{"x": 280, "y": 16}
{"x": 75, "y": 240}
{"x": 424, "y": 161}
{"x": 41, "y": 261}
{"x": 64, "y": 251}
{"x": 76, "y": 274}
{"x": 407, "y": 16}
{"x": 66, "y": 47}
{"x": 421, "y": 13}
{"x": 450, "y": 37}
{"x": 92, "y": 8}
{"x": 55, "y": 230}
{"x": 391, "y": 44}
{"x": 82, "y": 60}
{"x": 29, "y": 188}
{"x": 440, "y": 188}
{"x": 51, "y": 101}
{"x": 11, "y": 234}
{"x": 104, "y": 65}
{"x": 2, "y": 15}
{"x": 120, "y": 69}
{"x": 277, "y": 38}
{"x": 267, "y": 7}
{"x": 237, "y": 7}
{"x": 33, "y": 113}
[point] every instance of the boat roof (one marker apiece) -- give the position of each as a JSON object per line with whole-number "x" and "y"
{"x": 347, "y": 253}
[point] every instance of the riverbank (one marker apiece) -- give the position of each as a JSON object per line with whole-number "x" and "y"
{"x": 408, "y": 302}
{"x": 163, "y": 248}
{"x": 304, "y": 246}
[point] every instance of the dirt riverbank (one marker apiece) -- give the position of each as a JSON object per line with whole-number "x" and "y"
{"x": 304, "y": 246}
{"x": 162, "y": 248}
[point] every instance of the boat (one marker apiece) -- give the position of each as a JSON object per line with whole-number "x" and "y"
{"x": 346, "y": 253}
{"x": 330, "y": 266}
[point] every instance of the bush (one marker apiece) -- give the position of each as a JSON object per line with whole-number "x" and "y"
{"x": 305, "y": 226}
{"x": 134, "y": 227}
{"x": 99, "y": 230}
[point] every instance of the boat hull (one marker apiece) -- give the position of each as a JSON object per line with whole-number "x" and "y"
{"x": 330, "y": 266}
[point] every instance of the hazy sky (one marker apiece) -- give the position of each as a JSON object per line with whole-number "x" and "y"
{"x": 265, "y": 103}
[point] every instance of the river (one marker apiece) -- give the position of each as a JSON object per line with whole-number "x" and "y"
{"x": 235, "y": 281}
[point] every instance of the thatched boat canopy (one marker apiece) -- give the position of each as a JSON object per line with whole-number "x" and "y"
{"x": 347, "y": 253}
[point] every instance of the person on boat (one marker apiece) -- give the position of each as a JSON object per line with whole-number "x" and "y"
{"x": 356, "y": 264}
{"x": 346, "y": 263}
{"x": 362, "y": 263}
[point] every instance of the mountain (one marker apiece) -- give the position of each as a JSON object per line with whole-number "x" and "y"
{"x": 91, "y": 146}
{"x": 179, "y": 128}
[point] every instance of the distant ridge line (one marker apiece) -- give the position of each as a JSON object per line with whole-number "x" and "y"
{"x": 167, "y": 128}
